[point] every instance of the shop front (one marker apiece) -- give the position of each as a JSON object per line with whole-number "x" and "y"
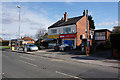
{"x": 69, "y": 39}
{"x": 52, "y": 40}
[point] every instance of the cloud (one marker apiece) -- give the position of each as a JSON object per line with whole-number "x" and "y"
{"x": 90, "y": 13}
{"x": 30, "y": 22}
{"x": 108, "y": 23}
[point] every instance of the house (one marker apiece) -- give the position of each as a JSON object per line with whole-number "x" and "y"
{"x": 101, "y": 36}
{"x": 28, "y": 40}
{"x": 0, "y": 39}
{"x": 68, "y": 30}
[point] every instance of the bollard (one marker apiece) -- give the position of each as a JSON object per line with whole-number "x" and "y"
{"x": 13, "y": 48}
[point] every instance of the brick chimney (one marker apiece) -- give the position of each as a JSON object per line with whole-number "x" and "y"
{"x": 84, "y": 13}
{"x": 65, "y": 16}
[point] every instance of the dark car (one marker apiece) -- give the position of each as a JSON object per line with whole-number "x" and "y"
{"x": 63, "y": 47}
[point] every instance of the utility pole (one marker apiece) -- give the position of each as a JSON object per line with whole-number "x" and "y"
{"x": 87, "y": 48}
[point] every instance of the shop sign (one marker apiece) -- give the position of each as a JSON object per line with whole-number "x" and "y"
{"x": 53, "y": 36}
{"x": 67, "y": 36}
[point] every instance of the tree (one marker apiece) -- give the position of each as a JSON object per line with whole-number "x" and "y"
{"x": 41, "y": 34}
{"x": 91, "y": 22}
{"x": 116, "y": 30}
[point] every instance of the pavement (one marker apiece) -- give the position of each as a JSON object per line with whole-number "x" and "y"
{"x": 77, "y": 57}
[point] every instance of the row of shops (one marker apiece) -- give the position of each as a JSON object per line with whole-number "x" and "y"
{"x": 63, "y": 39}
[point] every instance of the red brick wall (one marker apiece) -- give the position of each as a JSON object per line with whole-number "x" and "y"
{"x": 108, "y": 35}
{"x": 80, "y": 28}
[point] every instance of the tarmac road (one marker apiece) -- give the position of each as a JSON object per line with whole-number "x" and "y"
{"x": 21, "y": 65}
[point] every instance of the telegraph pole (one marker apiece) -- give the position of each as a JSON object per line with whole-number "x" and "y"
{"x": 87, "y": 48}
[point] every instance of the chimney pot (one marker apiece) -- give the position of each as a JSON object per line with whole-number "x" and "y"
{"x": 65, "y": 16}
{"x": 84, "y": 13}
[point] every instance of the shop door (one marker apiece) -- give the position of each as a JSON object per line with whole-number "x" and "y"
{"x": 69, "y": 42}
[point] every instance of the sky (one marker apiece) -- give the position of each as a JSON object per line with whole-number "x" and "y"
{"x": 35, "y": 16}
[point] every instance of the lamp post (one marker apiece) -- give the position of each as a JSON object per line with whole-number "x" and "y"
{"x": 19, "y": 22}
{"x": 18, "y": 43}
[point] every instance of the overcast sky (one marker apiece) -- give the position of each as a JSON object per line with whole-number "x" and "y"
{"x": 39, "y": 15}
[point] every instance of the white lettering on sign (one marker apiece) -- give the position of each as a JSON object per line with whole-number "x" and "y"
{"x": 62, "y": 36}
{"x": 69, "y": 35}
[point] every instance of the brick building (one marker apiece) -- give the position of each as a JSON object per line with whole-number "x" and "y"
{"x": 0, "y": 39}
{"x": 68, "y": 30}
{"x": 101, "y": 36}
{"x": 28, "y": 40}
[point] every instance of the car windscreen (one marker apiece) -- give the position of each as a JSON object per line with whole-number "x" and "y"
{"x": 32, "y": 45}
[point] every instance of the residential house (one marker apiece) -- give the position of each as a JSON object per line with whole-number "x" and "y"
{"x": 0, "y": 39}
{"x": 28, "y": 40}
{"x": 68, "y": 30}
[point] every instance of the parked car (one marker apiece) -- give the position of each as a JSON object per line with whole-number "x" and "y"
{"x": 40, "y": 46}
{"x": 30, "y": 47}
{"x": 63, "y": 47}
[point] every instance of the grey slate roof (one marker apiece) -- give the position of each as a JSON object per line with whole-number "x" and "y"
{"x": 68, "y": 22}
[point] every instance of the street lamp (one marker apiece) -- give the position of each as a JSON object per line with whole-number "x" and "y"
{"x": 18, "y": 43}
{"x": 19, "y": 22}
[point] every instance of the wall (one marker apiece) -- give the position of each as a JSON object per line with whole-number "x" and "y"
{"x": 60, "y": 29}
{"x": 80, "y": 28}
{"x": 108, "y": 35}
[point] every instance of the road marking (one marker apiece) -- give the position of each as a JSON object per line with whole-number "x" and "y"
{"x": 56, "y": 60}
{"x": 69, "y": 75}
{"x": 29, "y": 63}
{"x": 2, "y": 73}
{"x": 26, "y": 58}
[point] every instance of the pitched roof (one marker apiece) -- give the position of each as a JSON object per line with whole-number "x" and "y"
{"x": 27, "y": 39}
{"x": 68, "y": 22}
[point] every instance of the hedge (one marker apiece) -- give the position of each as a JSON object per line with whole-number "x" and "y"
{"x": 115, "y": 41}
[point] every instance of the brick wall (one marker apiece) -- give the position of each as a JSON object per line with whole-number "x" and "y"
{"x": 80, "y": 29}
{"x": 108, "y": 35}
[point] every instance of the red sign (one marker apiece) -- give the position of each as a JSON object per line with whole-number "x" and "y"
{"x": 67, "y": 36}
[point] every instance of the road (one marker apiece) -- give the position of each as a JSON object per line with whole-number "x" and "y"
{"x": 21, "y": 65}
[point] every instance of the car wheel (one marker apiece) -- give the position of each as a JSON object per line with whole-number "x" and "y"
{"x": 63, "y": 49}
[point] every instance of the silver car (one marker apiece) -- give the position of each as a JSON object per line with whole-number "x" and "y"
{"x": 30, "y": 47}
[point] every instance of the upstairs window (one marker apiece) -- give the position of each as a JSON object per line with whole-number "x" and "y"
{"x": 66, "y": 30}
{"x": 54, "y": 31}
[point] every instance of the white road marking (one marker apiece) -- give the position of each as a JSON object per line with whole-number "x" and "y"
{"x": 28, "y": 63}
{"x": 2, "y": 73}
{"x": 37, "y": 56}
{"x": 68, "y": 75}
{"x": 26, "y": 58}
{"x": 56, "y": 60}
